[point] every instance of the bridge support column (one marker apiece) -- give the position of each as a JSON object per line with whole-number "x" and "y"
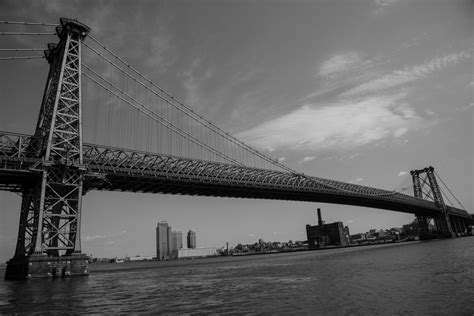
{"x": 463, "y": 226}
{"x": 460, "y": 225}
{"x": 442, "y": 220}
{"x": 453, "y": 223}
{"x": 443, "y": 226}
{"x": 48, "y": 243}
{"x": 423, "y": 224}
{"x": 456, "y": 225}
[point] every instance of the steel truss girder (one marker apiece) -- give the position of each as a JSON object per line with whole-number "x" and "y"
{"x": 102, "y": 162}
{"x": 133, "y": 164}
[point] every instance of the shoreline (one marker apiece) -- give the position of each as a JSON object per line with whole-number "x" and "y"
{"x": 100, "y": 267}
{"x": 113, "y": 267}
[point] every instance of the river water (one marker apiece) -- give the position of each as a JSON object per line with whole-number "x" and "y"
{"x": 435, "y": 277}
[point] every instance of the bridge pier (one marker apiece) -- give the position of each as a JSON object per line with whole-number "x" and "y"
{"x": 42, "y": 266}
{"x": 443, "y": 227}
{"x": 423, "y": 224}
{"x": 455, "y": 226}
{"x": 463, "y": 226}
{"x": 459, "y": 225}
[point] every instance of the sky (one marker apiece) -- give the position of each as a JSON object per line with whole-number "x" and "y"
{"x": 358, "y": 91}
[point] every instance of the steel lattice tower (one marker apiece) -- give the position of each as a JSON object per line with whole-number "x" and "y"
{"x": 51, "y": 206}
{"x": 442, "y": 221}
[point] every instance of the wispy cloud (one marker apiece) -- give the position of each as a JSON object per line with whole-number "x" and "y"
{"x": 343, "y": 70}
{"x": 159, "y": 57}
{"x": 408, "y": 74}
{"x": 193, "y": 80}
{"x": 382, "y": 5}
{"x": 356, "y": 180}
{"x": 341, "y": 125}
{"x": 191, "y": 84}
{"x": 466, "y": 107}
{"x": 93, "y": 237}
{"x": 109, "y": 236}
{"x": 339, "y": 64}
{"x": 402, "y": 173}
{"x": 307, "y": 159}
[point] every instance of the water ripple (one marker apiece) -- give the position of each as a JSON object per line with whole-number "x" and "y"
{"x": 422, "y": 278}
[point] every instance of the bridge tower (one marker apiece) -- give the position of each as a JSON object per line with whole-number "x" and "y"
{"x": 48, "y": 242}
{"x": 428, "y": 181}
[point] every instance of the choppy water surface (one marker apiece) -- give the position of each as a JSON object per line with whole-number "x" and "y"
{"x": 415, "y": 278}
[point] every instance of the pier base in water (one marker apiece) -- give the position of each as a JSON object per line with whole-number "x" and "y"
{"x": 42, "y": 266}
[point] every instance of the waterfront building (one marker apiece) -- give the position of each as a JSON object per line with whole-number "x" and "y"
{"x": 168, "y": 234}
{"x": 323, "y": 234}
{"x": 347, "y": 234}
{"x": 163, "y": 238}
{"x": 140, "y": 258}
{"x": 191, "y": 239}
{"x": 358, "y": 237}
{"x": 197, "y": 253}
{"x": 176, "y": 243}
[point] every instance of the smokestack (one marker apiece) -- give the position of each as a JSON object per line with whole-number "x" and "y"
{"x": 320, "y": 220}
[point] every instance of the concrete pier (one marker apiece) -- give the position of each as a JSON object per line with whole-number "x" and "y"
{"x": 42, "y": 266}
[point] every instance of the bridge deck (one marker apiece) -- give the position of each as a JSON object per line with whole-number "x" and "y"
{"x": 116, "y": 169}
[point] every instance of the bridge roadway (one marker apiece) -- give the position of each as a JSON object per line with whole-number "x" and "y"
{"x": 116, "y": 169}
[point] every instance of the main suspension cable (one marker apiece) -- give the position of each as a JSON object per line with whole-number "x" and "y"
{"x": 449, "y": 190}
{"x": 21, "y": 49}
{"x": 29, "y": 23}
{"x": 25, "y": 33}
{"x": 21, "y": 57}
{"x": 195, "y": 116}
{"x": 142, "y": 108}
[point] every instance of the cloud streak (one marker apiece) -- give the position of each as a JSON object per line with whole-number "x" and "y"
{"x": 406, "y": 75}
{"x": 343, "y": 125}
{"x": 343, "y": 70}
{"x": 381, "y": 5}
{"x": 339, "y": 64}
{"x": 308, "y": 159}
{"x": 98, "y": 237}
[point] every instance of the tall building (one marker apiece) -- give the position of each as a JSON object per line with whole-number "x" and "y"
{"x": 169, "y": 240}
{"x": 176, "y": 243}
{"x": 163, "y": 239}
{"x": 191, "y": 239}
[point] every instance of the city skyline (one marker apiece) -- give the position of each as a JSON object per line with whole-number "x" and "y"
{"x": 381, "y": 93}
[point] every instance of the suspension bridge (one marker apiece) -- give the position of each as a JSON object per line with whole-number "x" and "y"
{"x": 153, "y": 143}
